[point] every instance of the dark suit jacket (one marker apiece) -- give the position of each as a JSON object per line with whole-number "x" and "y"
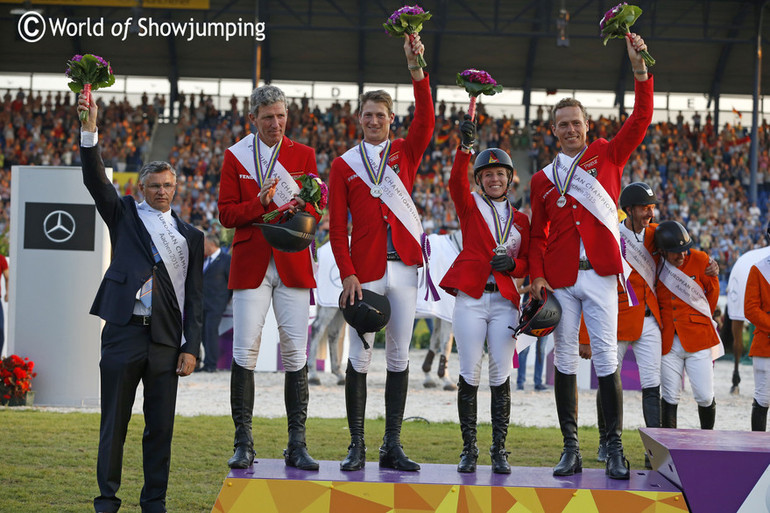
{"x": 132, "y": 264}
{"x": 216, "y": 295}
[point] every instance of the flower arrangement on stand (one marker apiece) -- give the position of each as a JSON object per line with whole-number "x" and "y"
{"x": 407, "y": 20}
{"x": 617, "y": 22}
{"x": 476, "y": 82}
{"x": 312, "y": 191}
{"x": 88, "y": 73}
{"x": 16, "y": 375}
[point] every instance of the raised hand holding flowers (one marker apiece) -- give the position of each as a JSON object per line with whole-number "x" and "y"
{"x": 476, "y": 82}
{"x": 88, "y": 72}
{"x": 617, "y": 22}
{"x": 313, "y": 192}
{"x": 408, "y": 20}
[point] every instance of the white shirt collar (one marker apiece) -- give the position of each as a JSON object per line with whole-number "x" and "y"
{"x": 215, "y": 254}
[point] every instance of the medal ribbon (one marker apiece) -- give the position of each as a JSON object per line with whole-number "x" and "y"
{"x": 375, "y": 176}
{"x": 563, "y": 188}
{"x": 264, "y": 175}
{"x": 501, "y": 232}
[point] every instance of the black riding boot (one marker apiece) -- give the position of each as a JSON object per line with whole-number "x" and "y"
{"x": 501, "y": 415}
{"x": 758, "y": 417}
{"x": 651, "y": 412}
{"x": 295, "y": 394}
{"x": 611, "y": 391}
{"x": 565, "y": 392}
{"x": 355, "y": 404}
{"x": 601, "y": 453}
{"x": 667, "y": 414}
{"x": 467, "y": 409}
{"x": 392, "y": 453}
{"x": 242, "y": 405}
{"x": 708, "y": 415}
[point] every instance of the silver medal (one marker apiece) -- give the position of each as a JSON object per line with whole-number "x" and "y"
{"x": 500, "y": 250}
{"x": 561, "y": 201}
{"x": 376, "y": 191}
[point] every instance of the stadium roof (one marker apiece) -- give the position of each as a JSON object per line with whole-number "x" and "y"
{"x": 702, "y": 46}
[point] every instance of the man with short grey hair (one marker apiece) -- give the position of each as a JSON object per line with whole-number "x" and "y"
{"x": 258, "y": 175}
{"x": 151, "y": 302}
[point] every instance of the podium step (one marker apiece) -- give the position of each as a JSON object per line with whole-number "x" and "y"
{"x": 271, "y": 487}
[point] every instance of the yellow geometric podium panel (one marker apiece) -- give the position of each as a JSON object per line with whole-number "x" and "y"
{"x": 271, "y": 487}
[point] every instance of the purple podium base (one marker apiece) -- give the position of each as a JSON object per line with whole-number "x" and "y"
{"x": 718, "y": 471}
{"x": 270, "y": 486}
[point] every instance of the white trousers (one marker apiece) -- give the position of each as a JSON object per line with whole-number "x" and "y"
{"x": 399, "y": 285}
{"x": 596, "y": 297}
{"x": 761, "y": 380}
{"x": 699, "y": 368}
{"x": 292, "y": 314}
{"x": 477, "y": 320}
{"x": 647, "y": 352}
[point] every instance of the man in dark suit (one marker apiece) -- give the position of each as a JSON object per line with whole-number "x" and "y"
{"x": 216, "y": 273}
{"x": 151, "y": 300}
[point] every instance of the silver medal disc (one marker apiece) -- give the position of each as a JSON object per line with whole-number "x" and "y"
{"x": 561, "y": 201}
{"x": 376, "y": 191}
{"x": 500, "y": 250}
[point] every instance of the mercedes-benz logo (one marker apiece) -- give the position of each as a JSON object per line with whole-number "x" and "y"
{"x": 59, "y": 226}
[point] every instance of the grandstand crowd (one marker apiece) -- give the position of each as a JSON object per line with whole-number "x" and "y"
{"x": 700, "y": 174}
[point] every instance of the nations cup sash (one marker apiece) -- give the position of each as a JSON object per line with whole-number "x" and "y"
{"x": 287, "y": 187}
{"x": 639, "y": 257}
{"x": 686, "y": 289}
{"x": 513, "y": 241}
{"x": 399, "y": 201}
{"x": 590, "y": 193}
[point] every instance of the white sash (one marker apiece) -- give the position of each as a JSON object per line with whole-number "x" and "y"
{"x": 287, "y": 187}
{"x": 171, "y": 245}
{"x": 394, "y": 194}
{"x": 590, "y": 193}
{"x": 764, "y": 267}
{"x": 513, "y": 242}
{"x": 639, "y": 257}
{"x": 688, "y": 290}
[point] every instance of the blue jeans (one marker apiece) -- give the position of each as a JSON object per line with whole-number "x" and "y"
{"x": 522, "y": 373}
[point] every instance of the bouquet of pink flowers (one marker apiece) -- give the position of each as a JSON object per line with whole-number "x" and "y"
{"x": 617, "y": 22}
{"x": 408, "y": 20}
{"x": 88, "y": 73}
{"x": 313, "y": 191}
{"x": 476, "y": 82}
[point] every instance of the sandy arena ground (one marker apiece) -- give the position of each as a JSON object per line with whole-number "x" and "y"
{"x": 208, "y": 394}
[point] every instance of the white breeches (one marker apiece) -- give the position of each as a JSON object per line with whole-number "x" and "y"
{"x": 699, "y": 368}
{"x": 761, "y": 380}
{"x": 399, "y": 285}
{"x": 597, "y": 298}
{"x": 647, "y": 353}
{"x": 292, "y": 313}
{"x": 477, "y": 320}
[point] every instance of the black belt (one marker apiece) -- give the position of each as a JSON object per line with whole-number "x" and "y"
{"x": 584, "y": 265}
{"x": 393, "y": 256}
{"x": 647, "y": 311}
{"x": 141, "y": 320}
{"x": 491, "y": 287}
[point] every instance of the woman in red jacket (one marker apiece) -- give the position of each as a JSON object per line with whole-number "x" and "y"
{"x": 495, "y": 242}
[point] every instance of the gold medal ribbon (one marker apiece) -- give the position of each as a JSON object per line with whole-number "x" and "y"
{"x": 375, "y": 175}
{"x": 264, "y": 174}
{"x": 563, "y": 187}
{"x": 501, "y": 232}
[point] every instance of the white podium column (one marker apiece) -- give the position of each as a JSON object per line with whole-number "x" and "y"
{"x": 60, "y": 250}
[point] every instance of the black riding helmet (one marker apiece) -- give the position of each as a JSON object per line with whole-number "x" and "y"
{"x": 493, "y": 157}
{"x": 672, "y": 237}
{"x": 291, "y": 236}
{"x": 367, "y": 315}
{"x": 539, "y": 317}
{"x": 637, "y": 193}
